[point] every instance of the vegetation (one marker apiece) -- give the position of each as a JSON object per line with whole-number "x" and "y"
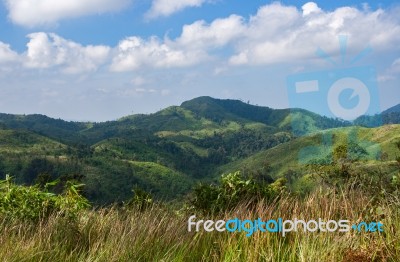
{"x": 123, "y": 190}
{"x": 233, "y": 189}
{"x": 39, "y": 226}
{"x": 167, "y": 152}
{"x": 159, "y": 234}
{"x": 29, "y": 203}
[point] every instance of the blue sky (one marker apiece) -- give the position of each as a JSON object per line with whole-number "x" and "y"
{"x": 103, "y": 59}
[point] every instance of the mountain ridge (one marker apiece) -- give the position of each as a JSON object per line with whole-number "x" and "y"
{"x": 172, "y": 148}
{"x": 206, "y": 106}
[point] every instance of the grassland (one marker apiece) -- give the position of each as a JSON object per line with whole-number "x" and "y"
{"x": 160, "y": 234}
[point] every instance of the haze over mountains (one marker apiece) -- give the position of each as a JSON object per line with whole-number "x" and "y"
{"x": 168, "y": 151}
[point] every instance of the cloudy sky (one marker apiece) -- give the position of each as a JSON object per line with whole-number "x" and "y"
{"x": 103, "y": 59}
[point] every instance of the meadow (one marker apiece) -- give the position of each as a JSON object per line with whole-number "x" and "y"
{"x": 159, "y": 233}
{"x": 38, "y": 225}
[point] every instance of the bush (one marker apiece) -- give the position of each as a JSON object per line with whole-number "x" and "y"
{"x": 141, "y": 200}
{"x": 31, "y": 203}
{"x": 233, "y": 189}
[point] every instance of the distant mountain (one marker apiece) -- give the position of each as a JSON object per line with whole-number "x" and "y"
{"x": 394, "y": 109}
{"x": 164, "y": 152}
{"x": 219, "y": 110}
{"x": 54, "y": 128}
{"x": 389, "y": 116}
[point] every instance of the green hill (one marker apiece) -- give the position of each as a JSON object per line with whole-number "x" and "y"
{"x": 377, "y": 142}
{"x": 67, "y": 131}
{"x": 168, "y": 151}
{"x": 389, "y": 116}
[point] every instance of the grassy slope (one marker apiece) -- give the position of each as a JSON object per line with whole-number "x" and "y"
{"x": 14, "y": 141}
{"x": 159, "y": 234}
{"x": 285, "y": 156}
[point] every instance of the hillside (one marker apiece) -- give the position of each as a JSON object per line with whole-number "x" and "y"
{"x": 165, "y": 152}
{"x": 294, "y": 156}
{"x": 393, "y": 109}
{"x": 389, "y": 116}
{"x": 67, "y": 131}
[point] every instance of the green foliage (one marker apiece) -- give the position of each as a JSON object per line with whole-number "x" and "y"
{"x": 32, "y": 204}
{"x": 23, "y": 202}
{"x": 71, "y": 202}
{"x": 112, "y": 180}
{"x": 159, "y": 234}
{"x": 165, "y": 153}
{"x": 141, "y": 199}
{"x": 349, "y": 152}
{"x": 232, "y": 190}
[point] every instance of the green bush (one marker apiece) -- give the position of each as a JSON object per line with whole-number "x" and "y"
{"x": 141, "y": 199}
{"x": 233, "y": 189}
{"x": 31, "y": 203}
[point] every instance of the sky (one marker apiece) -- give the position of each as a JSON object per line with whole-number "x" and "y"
{"x": 99, "y": 60}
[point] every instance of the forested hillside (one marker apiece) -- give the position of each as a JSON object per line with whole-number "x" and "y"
{"x": 164, "y": 153}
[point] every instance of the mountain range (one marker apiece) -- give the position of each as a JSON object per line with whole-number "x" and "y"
{"x": 169, "y": 151}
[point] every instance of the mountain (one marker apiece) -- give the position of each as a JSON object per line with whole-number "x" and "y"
{"x": 219, "y": 110}
{"x": 389, "y": 116}
{"x": 165, "y": 152}
{"x": 378, "y": 143}
{"x": 394, "y": 109}
{"x": 54, "y": 128}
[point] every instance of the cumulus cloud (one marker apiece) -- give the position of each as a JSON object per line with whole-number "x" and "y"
{"x": 310, "y": 8}
{"x": 7, "y": 55}
{"x": 168, "y": 7}
{"x": 50, "y": 50}
{"x": 274, "y": 34}
{"x": 219, "y": 33}
{"x": 134, "y": 53}
{"x": 190, "y": 48}
{"x": 41, "y": 12}
{"x": 279, "y": 33}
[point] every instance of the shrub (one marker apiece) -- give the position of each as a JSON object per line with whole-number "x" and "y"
{"x": 71, "y": 202}
{"x": 140, "y": 200}
{"x": 31, "y": 203}
{"x": 233, "y": 189}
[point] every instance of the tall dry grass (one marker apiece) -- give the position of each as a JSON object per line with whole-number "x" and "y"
{"x": 160, "y": 234}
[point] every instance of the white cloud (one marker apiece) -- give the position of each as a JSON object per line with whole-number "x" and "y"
{"x": 42, "y": 12}
{"x": 168, "y": 7}
{"x": 280, "y": 33}
{"x": 190, "y": 48}
{"x": 275, "y": 34}
{"x": 310, "y": 8}
{"x": 6, "y": 54}
{"x": 220, "y": 32}
{"x": 49, "y": 50}
{"x": 134, "y": 53}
